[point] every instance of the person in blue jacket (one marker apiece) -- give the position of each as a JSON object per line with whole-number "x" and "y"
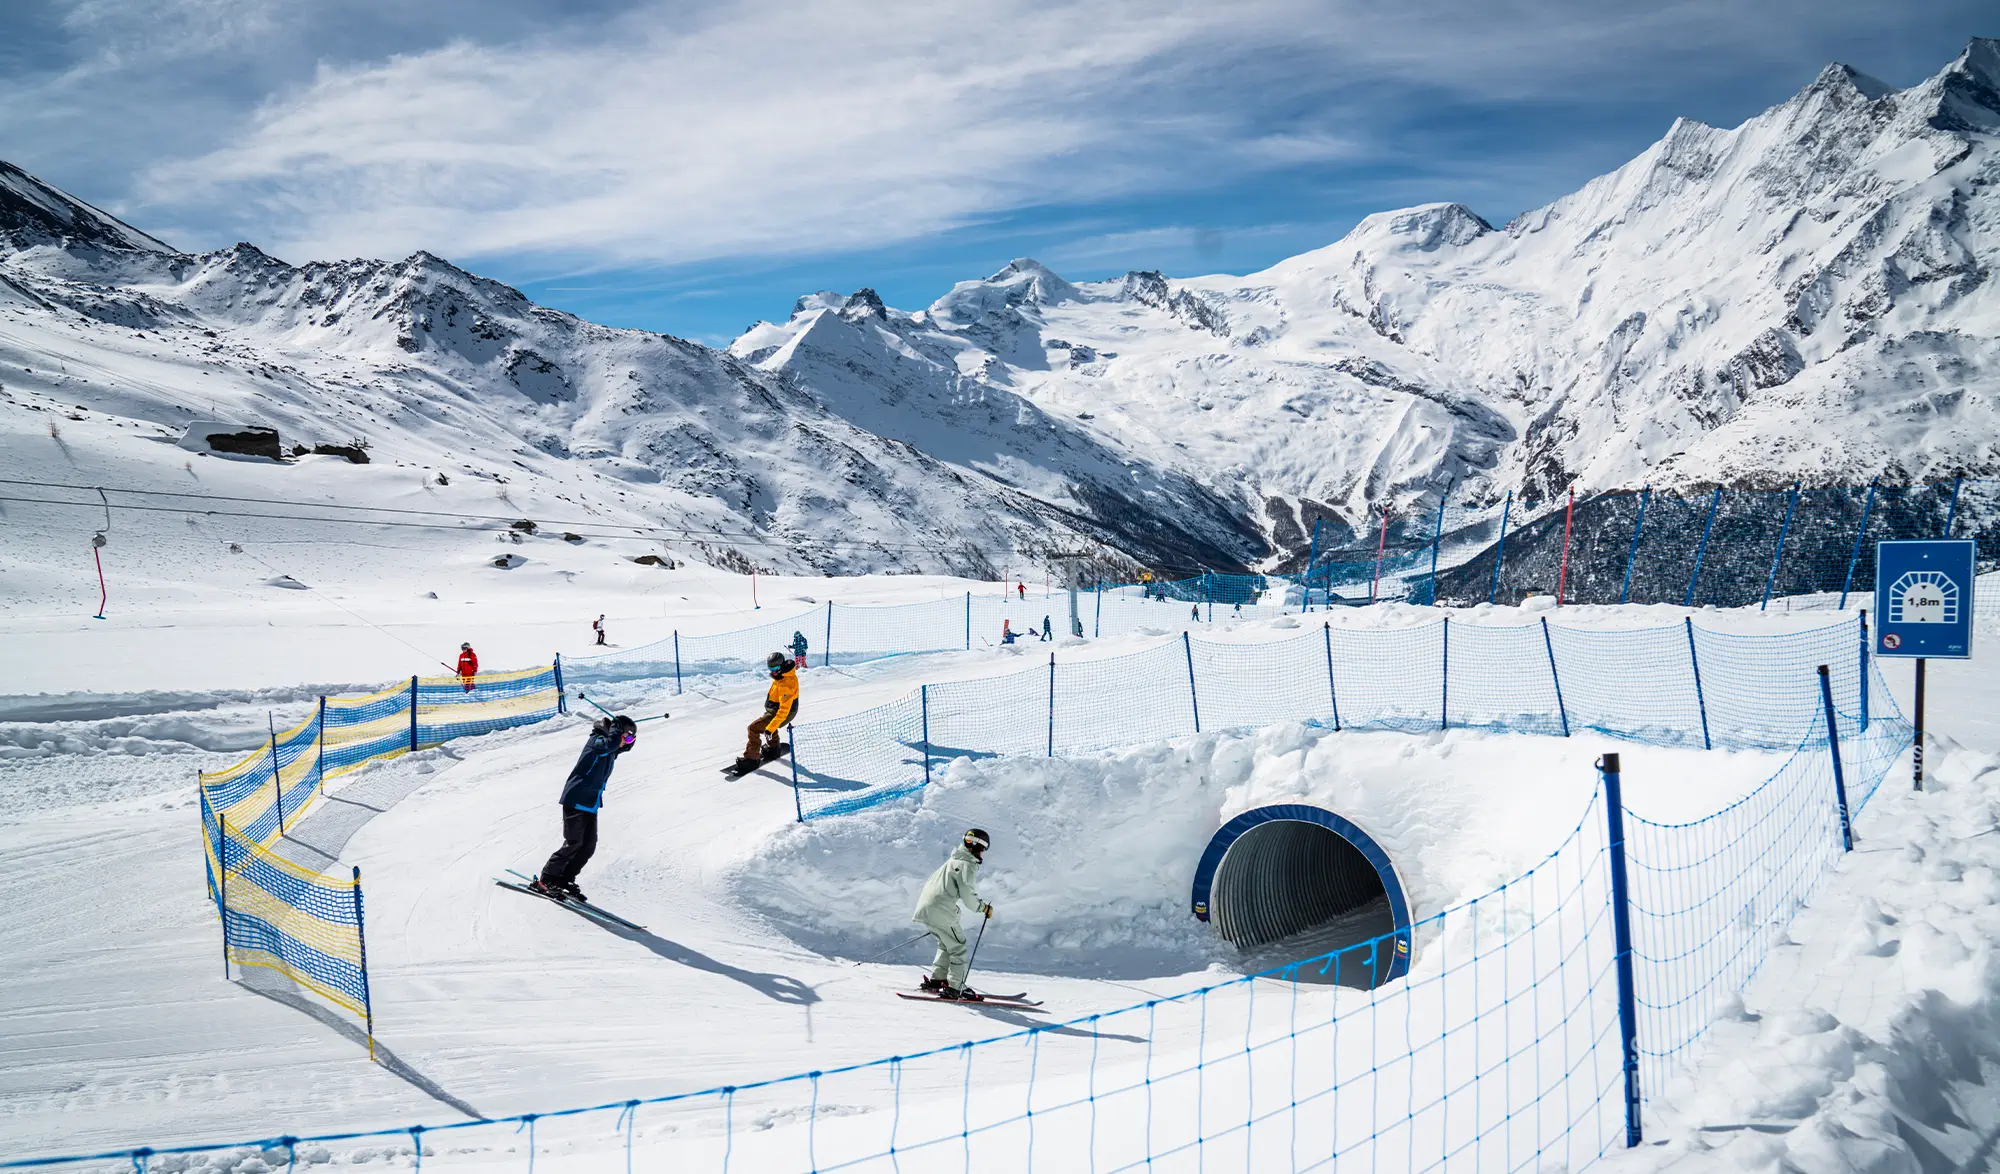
{"x": 582, "y": 796}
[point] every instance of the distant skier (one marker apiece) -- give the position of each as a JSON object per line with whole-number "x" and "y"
{"x": 798, "y": 650}
{"x": 597, "y": 626}
{"x": 1022, "y": 588}
{"x": 468, "y": 665}
{"x": 781, "y": 705}
{"x": 1007, "y": 633}
{"x": 1194, "y": 613}
{"x": 1047, "y": 633}
{"x": 1239, "y": 611}
{"x": 582, "y": 797}
{"x": 952, "y": 885}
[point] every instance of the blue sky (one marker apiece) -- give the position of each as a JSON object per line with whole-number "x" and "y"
{"x": 691, "y": 167}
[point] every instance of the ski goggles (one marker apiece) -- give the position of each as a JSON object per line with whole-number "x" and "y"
{"x": 629, "y": 739}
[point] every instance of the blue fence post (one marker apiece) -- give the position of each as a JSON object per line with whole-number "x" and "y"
{"x": 677, "y": 660}
{"x": 1621, "y": 928}
{"x": 1864, "y": 670}
{"x": 1444, "y": 701}
{"x": 1331, "y": 694}
{"x": 1194, "y": 698}
{"x": 562, "y": 702}
{"x": 413, "y": 715}
{"x": 924, "y": 702}
{"x": 1791, "y": 503}
{"x": 277, "y": 776}
{"x": 361, "y": 941}
{"x": 222, "y": 884}
{"x": 1833, "y": 745}
{"x": 321, "y": 741}
{"x": 1638, "y": 527}
{"x": 1097, "y": 621}
{"x": 1500, "y": 551}
{"x": 1855, "y": 555}
{"x": 792, "y": 740}
{"x": 968, "y": 621}
{"x": 1437, "y": 537}
{"x": 1554, "y": 676}
{"x": 1951, "y": 514}
{"x": 826, "y": 653}
{"x": 1700, "y": 701}
{"x": 1714, "y": 504}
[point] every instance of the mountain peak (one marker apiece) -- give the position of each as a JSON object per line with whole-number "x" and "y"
{"x": 1839, "y": 75}
{"x": 1965, "y": 96}
{"x": 1425, "y": 228}
{"x": 35, "y": 213}
{"x": 1038, "y": 280}
{"x": 1980, "y": 61}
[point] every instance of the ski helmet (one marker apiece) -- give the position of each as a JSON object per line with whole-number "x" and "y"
{"x": 624, "y": 725}
{"x": 978, "y": 841}
{"x": 776, "y": 661}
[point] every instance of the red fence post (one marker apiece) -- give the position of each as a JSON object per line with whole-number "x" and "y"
{"x": 1562, "y": 577}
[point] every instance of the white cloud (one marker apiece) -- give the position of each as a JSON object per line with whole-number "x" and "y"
{"x": 771, "y": 129}
{"x": 673, "y": 133}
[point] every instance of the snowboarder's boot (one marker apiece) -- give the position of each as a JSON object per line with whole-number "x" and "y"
{"x": 933, "y": 985}
{"x": 745, "y": 765}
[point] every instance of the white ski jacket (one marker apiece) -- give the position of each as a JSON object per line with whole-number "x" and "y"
{"x": 949, "y": 887}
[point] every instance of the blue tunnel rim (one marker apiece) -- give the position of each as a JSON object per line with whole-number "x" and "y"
{"x": 1385, "y": 869}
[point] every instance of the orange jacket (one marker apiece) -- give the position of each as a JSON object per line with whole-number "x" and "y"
{"x": 468, "y": 663}
{"x": 781, "y": 702}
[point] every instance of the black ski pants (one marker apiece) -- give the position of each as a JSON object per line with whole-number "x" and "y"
{"x": 579, "y": 841}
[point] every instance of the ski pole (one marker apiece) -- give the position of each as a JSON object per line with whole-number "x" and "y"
{"x": 607, "y": 713}
{"x": 892, "y": 949}
{"x": 974, "y": 956}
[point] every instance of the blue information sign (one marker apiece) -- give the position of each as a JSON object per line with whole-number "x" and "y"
{"x": 1923, "y": 598}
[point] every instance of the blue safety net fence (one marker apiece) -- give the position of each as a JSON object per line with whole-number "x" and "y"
{"x": 846, "y": 634}
{"x": 1535, "y": 1026}
{"x": 1676, "y": 685}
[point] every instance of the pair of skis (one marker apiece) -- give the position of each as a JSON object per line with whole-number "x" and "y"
{"x": 523, "y": 883}
{"x": 1014, "y": 1002}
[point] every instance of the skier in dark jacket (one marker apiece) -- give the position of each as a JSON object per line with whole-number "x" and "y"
{"x": 582, "y": 796}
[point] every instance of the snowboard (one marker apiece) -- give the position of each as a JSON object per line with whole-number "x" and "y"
{"x": 583, "y": 908}
{"x": 736, "y": 769}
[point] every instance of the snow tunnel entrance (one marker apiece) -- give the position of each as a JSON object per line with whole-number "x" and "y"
{"x": 1293, "y": 882}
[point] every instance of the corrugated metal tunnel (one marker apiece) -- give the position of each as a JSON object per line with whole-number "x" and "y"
{"x": 1293, "y": 882}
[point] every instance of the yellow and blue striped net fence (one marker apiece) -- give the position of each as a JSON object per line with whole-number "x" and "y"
{"x": 280, "y": 916}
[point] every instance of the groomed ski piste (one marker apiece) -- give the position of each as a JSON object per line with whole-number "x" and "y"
{"x": 1860, "y": 1040}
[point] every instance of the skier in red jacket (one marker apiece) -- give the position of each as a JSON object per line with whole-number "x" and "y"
{"x": 468, "y": 665}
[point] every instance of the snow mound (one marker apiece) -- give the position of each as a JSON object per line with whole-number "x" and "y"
{"x": 1093, "y": 859}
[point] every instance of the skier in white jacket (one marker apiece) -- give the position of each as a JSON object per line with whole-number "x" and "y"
{"x": 952, "y": 885}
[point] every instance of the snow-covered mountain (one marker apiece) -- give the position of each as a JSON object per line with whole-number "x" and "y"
{"x": 1806, "y": 296}
{"x": 432, "y": 368}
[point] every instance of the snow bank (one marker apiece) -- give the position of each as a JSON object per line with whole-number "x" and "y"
{"x": 1873, "y": 1041}
{"x": 1093, "y": 856}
